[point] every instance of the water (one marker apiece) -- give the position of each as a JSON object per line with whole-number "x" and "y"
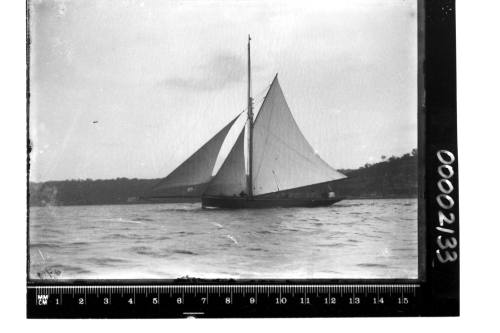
{"x": 351, "y": 239}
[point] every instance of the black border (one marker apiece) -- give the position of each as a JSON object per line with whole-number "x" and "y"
{"x": 441, "y": 287}
{"x": 436, "y": 131}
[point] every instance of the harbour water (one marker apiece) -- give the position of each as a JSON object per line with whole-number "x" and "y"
{"x": 351, "y": 239}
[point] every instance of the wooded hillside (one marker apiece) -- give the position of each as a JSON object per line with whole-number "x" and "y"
{"x": 393, "y": 177}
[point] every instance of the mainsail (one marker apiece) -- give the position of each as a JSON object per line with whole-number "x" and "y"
{"x": 230, "y": 180}
{"x": 282, "y": 157}
{"x": 191, "y": 178}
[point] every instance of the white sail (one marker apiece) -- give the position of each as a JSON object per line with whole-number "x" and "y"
{"x": 282, "y": 157}
{"x": 231, "y": 178}
{"x": 191, "y": 178}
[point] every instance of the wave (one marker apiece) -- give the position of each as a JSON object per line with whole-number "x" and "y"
{"x": 107, "y": 261}
{"x": 332, "y": 245}
{"x": 372, "y": 265}
{"x": 73, "y": 269}
{"x": 180, "y": 210}
{"x": 257, "y": 249}
{"x": 116, "y": 236}
{"x": 144, "y": 250}
{"x": 46, "y": 245}
{"x": 185, "y": 252}
{"x": 232, "y": 238}
{"x": 405, "y": 249}
{"x": 78, "y": 244}
{"x": 51, "y": 231}
{"x": 143, "y": 219}
{"x": 121, "y": 220}
{"x": 135, "y": 237}
{"x": 118, "y": 220}
{"x": 186, "y": 233}
{"x": 265, "y": 232}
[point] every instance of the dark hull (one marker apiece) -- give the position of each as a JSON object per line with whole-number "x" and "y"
{"x": 239, "y": 203}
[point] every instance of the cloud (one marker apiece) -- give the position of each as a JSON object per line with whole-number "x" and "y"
{"x": 219, "y": 72}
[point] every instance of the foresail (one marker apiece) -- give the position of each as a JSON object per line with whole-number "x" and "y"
{"x": 282, "y": 157}
{"x": 231, "y": 178}
{"x": 191, "y": 178}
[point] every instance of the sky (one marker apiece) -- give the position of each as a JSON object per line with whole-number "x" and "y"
{"x": 124, "y": 88}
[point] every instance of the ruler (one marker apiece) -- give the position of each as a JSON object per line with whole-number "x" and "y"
{"x": 199, "y": 300}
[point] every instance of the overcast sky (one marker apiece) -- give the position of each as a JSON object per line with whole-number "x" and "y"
{"x": 162, "y": 77}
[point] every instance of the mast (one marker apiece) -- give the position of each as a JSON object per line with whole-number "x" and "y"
{"x": 250, "y": 126}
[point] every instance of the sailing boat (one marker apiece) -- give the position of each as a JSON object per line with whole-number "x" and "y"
{"x": 276, "y": 167}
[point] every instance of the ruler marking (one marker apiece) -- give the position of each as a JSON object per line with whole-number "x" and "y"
{"x": 57, "y": 293}
{"x": 237, "y": 287}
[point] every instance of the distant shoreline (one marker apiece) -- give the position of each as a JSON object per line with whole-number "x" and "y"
{"x": 392, "y": 178}
{"x": 199, "y": 201}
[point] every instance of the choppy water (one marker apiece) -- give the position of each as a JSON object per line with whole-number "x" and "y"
{"x": 351, "y": 239}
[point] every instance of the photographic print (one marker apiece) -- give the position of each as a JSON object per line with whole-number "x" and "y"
{"x": 223, "y": 139}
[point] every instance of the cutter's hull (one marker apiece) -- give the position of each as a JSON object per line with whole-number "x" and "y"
{"x": 242, "y": 203}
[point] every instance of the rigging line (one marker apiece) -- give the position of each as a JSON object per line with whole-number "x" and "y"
{"x": 276, "y": 180}
{"x": 261, "y": 94}
{"x": 287, "y": 146}
{"x": 259, "y": 99}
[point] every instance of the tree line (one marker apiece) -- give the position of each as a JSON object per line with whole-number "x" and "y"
{"x": 393, "y": 177}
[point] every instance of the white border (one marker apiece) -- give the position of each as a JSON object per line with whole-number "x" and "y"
{"x": 479, "y": 91}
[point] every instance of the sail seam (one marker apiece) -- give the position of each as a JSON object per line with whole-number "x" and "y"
{"x": 290, "y": 148}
